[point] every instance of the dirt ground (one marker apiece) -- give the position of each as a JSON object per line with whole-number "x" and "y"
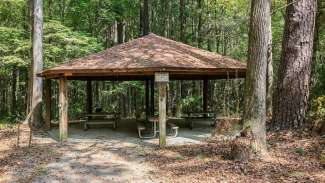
{"x": 104, "y": 155}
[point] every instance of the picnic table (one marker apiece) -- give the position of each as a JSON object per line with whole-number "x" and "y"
{"x": 199, "y": 116}
{"x": 101, "y": 118}
{"x": 155, "y": 130}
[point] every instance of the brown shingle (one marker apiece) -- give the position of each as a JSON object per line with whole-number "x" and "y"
{"x": 144, "y": 56}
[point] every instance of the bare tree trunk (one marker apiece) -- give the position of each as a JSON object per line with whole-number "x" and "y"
{"x": 200, "y": 24}
{"x": 145, "y": 17}
{"x": 14, "y": 91}
{"x": 255, "y": 91}
{"x": 120, "y": 32}
{"x": 292, "y": 92}
{"x": 166, "y": 18}
{"x": 318, "y": 25}
{"x": 37, "y": 63}
{"x": 269, "y": 76}
{"x": 182, "y": 20}
{"x": 178, "y": 95}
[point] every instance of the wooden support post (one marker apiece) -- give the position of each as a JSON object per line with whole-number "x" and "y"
{"x": 152, "y": 97}
{"x": 63, "y": 109}
{"x": 205, "y": 96}
{"x": 147, "y": 98}
{"x": 162, "y": 79}
{"x": 89, "y": 96}
{"x": 48, "y": 96}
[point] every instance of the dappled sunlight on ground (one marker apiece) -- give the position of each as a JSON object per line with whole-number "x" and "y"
{"x": 102, "y": 154}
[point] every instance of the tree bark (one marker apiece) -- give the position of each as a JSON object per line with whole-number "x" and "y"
{"x": 13, "y": 91}
{"x": 269, "y": 76}
{"x": 182, "y": 20}
{"x": 37, "y": 63}
{"x": 120, "y": 32}
{"x": 255, "y": 90}
{"x": 200, "y": 24}
{"x": 318, "y": 25}
{"x": 166, "y": 18}
{"x": 144, "y": 17}
{"x": 292, "y": 91}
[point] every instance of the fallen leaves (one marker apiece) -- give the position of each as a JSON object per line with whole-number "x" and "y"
{"x": 21, "y": 164}
{"x": 293, "y": 158}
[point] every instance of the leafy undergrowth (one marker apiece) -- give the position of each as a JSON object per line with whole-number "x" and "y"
{"x": 292, "y": 158}
{"x": 22, "y": 164}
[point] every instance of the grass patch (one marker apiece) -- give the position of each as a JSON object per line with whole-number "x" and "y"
{"x": 6, "y": 124}
{"x": 300, "y": 151}
{"x": 41, "y": 169}
{"x": 179, "y": 157}
{"x": 297, "y": 174}
{"x": 200, "y": 156}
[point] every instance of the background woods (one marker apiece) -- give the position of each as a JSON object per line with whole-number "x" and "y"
{"x": 74, "y": 28}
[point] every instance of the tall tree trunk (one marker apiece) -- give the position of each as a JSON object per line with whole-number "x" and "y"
{"x": 120, "y": 32}
{"x": 145, "y": 17}
{"x": 166, "y": 18}
{"x": 141, "y": 17}
{"x": 14, "y": 91}
{"x": 292, "y": 92}
{"x": 318, "y": 25}
{"x": 178, "y": 110}
{"x": 255, "y": 91}
{"x": 182, "y": 20}
{"x": 200, "y": 24}
{"x": 269, "y": 76}
{"x": 37, "y": 63}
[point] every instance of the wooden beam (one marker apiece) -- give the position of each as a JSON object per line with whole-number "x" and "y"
{"x": 205, "y": 95}
{"x": 152, "y": 97}
{"x": 89, "y": 97}
{"x": 63, "y": 109}
{"x": 48, "y": 113}
{"x": 162, "y": 80}
{"x": 147, "y": 98}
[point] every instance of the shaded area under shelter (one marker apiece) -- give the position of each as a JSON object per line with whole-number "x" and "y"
{"x": 153, "y": 59}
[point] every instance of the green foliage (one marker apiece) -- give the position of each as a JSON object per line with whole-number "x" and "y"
{"x": 300, "y": 151}
{"x": 179, "y": 157}
{"x": 191, "y": 104}
{"x": 12, "y": 12}
{"x": 6, "y": 123}
{"x": 61, "y": 43}
{"x": 80, "y": 27}
{"x": 318, "y": 108}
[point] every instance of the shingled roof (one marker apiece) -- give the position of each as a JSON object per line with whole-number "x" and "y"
{"x": 145, "y": 56}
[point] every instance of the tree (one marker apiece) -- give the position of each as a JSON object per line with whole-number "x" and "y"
{"x": 292, "y": 90}
{"x": 144, "y": 17}
{"x": 182, "y": 20}
{"x": 269, "y": 75}
{"x": 255, "y": 89}
{"x": 37, "y": 63}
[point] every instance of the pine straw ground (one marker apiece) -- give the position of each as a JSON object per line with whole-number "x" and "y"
{"x": 23, "y": 164}
{"x": 292, "y": 158}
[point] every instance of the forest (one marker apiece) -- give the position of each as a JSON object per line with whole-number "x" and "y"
{"x": 279, "y": 106}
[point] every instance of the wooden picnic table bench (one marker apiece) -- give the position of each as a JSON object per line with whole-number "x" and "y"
{"x": 155, "y": 120}
{"x": 199, "y": 116}
{"x": 101, "y": 118}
